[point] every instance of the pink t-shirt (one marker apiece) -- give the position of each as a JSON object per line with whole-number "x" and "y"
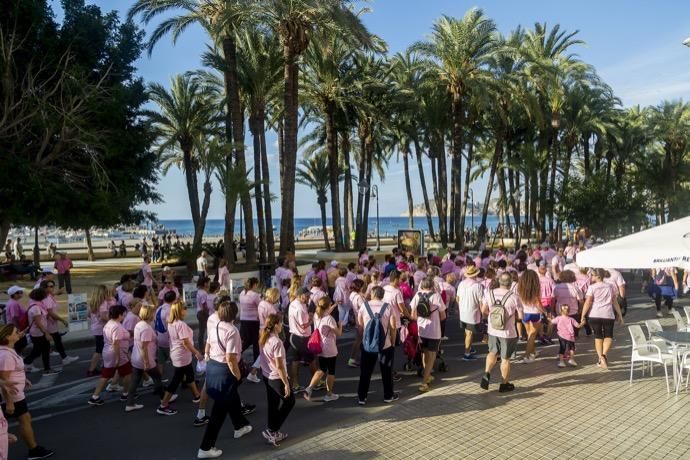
{"x": 565, "y": 326}
{"x": 511, "y": 304}
{"x": 37, "y": 315}
{"x": 340, "y": 294}
{"x": 249, "y": 304}
{"x": 376, "y": 306}
{"x": 179, "y": 355}
{"x": 325, "y": 326}
{"x": 13, "y": 312}
{"x": 546, "y": 285}
{"x": 130, "y": 322}
{"x": 616, "y": 279}
{"x": 163, "y": 338}
{"x": 210, "y": 303}
{"x": 602, "y": 300}
{"x": 113, "y": 331}
{"x": 97, "y": 322}
{"x": 11, "y": 362}
{"x": 63, "y": 265}
{"x": 393, "y": 297}
{"x": 583, "y": 281}
{"x": 51, "y": 304}
{"x": 418, "y": 276}
{"x": 357, "y": 302}
{"x": 272, "y": 349}
{"x": 144, "y": 336}
{"x": 429, "y": 328}
{"x": 316, "y": 295}
{"x": 166, "y": 289}
{"x": 265, "y": 308}
{"x": 201, "y": 299}
{"x": 125, "y": 299}
{"x": 223, "y": 338}
{"x": 567, "y": 294}
{"x": 298, "y": 315}
{"x": 148, "y": 274}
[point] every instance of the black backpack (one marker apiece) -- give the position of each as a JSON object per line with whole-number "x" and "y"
{"x": 424, "y": 305}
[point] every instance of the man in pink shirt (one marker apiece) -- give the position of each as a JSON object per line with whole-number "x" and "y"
{"x": 63, "y": 265}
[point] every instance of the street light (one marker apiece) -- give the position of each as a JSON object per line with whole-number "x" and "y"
{"x": 363, "y": 189}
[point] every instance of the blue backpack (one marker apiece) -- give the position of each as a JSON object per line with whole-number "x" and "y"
{"x": 159, "y": 324}
{"x": 374, "y": 333}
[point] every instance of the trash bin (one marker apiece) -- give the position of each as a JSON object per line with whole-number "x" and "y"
{"x": 265, "y": 274}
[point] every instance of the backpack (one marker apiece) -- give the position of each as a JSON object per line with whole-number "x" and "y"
{"x": 374, "y": 338}
{"x": 498, "y": 316}
{"x": 424, "y": 305}
{"x": 159, "y": 324}
{"x": 314, "y": 343}
{"x": 23, "y": 319}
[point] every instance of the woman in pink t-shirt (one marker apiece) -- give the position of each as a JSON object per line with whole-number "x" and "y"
{"x": 115, "y": 354}
{"x": 249, "y": 300}
{"x": 38, "y": 330}
{"x": 102, "y": 298}
{"x": 601, "y": 302}
{"x": 529, "y": 292}
{"x": 266, "y": 307}
{"x": 280, "y": 398}
{"x": 357, "y": 302}
{"x": 13, "y": 382}
{"x": 143, "y": 356}
{"x": 181, "y": 351}
{"x": 328, "y": 329}
{"x": 202, "y": 311}
{"x": 223, "y": 376}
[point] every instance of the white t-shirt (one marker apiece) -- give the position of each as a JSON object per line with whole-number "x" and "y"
{"x": 470, "y": 293}
{"x": 201, "y": 264}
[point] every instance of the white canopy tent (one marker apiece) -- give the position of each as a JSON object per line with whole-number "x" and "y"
{"x": 667, "y": 245}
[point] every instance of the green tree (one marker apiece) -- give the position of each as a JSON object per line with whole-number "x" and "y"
{"x": 314, "y": 174}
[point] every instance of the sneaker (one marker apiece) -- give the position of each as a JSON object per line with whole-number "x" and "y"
{"x": 211, "y": 453}
{"x": 54, "y": 353}
{"x": 39, "y": 452}
{"x": 69, "y": 360}
{"x": 473, "y": 351}
{"x": 469, "y": 358}
{"x": 242, "y": 431}
{"x": 307, "y": 393}
{"x": 485, "y": 382}
{"x": 397, "y": 377}
{"x": 31, "y": 368}
{"x": 196, "y": 399}
{"x": 572, "y": 362}
{"x": 445, "y": 337}
{"x": 352, "y": 363}
{"x": 320, "y": 386}
{"x": 167, "y": 410}
{"x": 248, "y": 409}
{"x": 297, "y": 389}
{"x": 173, "y": 398}
{"x": 526, "y": 360}
{"x": 280, "y": 436}
{"x": 253, "y": 378}
{"x": 96, "y": 401}
{"x": 430, "y": 379}
{"x": 270, "y": 437}
{"x": 147, "y": 383}
{"x": 424, "y": 387}
{"x": 561, "y": 363}
{"x": 51, "y": 372}
{"x": 395, "y": 397}
{"x": 505, "y": 387}
{"x": 113, "y": 388}
{"x": 331, "y": 397}
{"x": 361, "y": 403}
{"x": 134, "y": 407}
{"x": 201, "y": 421}
{"x": 659, "y": 314}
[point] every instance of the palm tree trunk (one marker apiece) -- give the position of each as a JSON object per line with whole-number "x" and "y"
{"x": 552, "y": 181}
{"x": 363, "y": 132}
{"x": 442, "y": 190}
{"x": 206, "y": 202}
{"x": 4, "y": 229}
{"x": 289, "y": 157}
{"x": 422, "y": 182}
{"x": 513, "y": 188}
{"x": 89, "y": 245}
{"x": 193, "y": 195}
{"x": 454, "y": 206}
{"x": 457, "y": 114}
{"x": 367, "y": 196}
{"x": 265, "y": 176}
{"x": 408, "y": 187}
{"x": 468, "y": 175}
{"x": 333, "y": 173}
{"x": 498, "y": 153}
{"x": 324, "y": 222}
{"x": 347, "y": 189}
{"x": 543, "y": 204}
{"x": 256, "y": 135}
{"x": 585, "y": 148}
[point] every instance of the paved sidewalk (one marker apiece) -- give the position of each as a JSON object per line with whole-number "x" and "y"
{"x": 578, "y": 413}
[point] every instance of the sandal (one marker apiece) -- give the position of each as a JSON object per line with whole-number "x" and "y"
{"x": 605, "y": 362}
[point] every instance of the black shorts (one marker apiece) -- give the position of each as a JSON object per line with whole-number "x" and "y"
{"x": 430, "y": 344}
{"x": 99, "y": 343}
{"x": 602, "y": 327}
{"x": 298, "y": 351}
{"x": 327, "y": 365}
{"x": 20, "y": 408}
{"x": 565, "y": 346}
{"x": 473, "y": 328}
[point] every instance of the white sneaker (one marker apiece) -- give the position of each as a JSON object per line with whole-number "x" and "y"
{"x": 242, "y": 431}
{"x": 659, "y": 314}
{"x": 526, "y": 360}
{"x": 211, "y": 453}
{"x": 54, "y": 353}
{"x": 134, "y": 407}
{"x": 331, "y": 397}
{"x": 31, "y": 368}
{"x": 253, "y": 378}
{"x": 445, "y": 337}
{"x": 114, "y": 388}
{"x": 572, "y": 362}
{"x": 147, "y": 383}
{"x": 69, "y": 360}
{"x": 561, "y": 364}
{"x": 173, "y": 398}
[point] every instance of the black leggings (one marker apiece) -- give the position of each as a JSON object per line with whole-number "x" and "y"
{"x": 59, "y": 347}
{"x": 366, "y": 368}
{"x": 668, "y": 300}
{"x": 185, "y": 373}
{"x": 41, "y": 348}
{"x": 137, "y": 376}
{"x": 230, "y": 405}
{"x": 279, "y": 406}
{"x": 249, "y": 332}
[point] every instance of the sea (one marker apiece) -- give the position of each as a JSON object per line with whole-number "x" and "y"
{"x": 388, "y": 225}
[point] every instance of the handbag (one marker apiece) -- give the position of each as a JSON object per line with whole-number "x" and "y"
{"x": 244, "y": 369}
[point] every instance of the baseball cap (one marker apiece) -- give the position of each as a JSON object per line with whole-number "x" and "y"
{"x": 14, "y": 289}
{"x": 542, "y": 263}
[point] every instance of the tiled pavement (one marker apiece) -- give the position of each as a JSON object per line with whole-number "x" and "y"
{"x": 576, "y": 413}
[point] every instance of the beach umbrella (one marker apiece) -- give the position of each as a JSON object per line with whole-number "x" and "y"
{"x": 667, "y": 245}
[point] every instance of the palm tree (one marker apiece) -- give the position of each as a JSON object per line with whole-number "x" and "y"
{"x": 461, "y": 48}
{"x": 295, "y": 21}
{"x": 313, "y": 173}
{"x": 186, "y": 114}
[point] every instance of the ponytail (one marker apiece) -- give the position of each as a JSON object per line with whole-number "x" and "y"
{"x": 271, "y": 322}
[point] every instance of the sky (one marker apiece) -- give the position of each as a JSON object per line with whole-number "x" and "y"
{"x": 635, "y": 46}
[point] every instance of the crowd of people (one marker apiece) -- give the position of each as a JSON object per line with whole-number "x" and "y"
{"x": 141, "y": 335}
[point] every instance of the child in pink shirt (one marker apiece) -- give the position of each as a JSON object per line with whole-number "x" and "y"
{"x": 565, "y": 328}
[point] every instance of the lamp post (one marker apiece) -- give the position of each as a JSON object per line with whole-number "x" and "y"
{"x": 363, "y": 189}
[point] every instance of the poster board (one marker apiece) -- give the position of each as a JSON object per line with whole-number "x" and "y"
{"x": 411, "y": 241}
{"x": 77, "y": 312}
{"x": 189, "y": 295}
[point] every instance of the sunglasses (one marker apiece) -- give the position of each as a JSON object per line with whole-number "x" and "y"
{"x": 50, "y": 285}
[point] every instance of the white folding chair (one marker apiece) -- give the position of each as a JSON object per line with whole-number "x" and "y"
{"x": 681, "y": 325}
{"x": 684, "y": 365}
{"x": 644, "y": 350}
{"x": 653, "y": 326}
